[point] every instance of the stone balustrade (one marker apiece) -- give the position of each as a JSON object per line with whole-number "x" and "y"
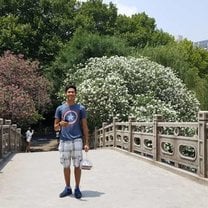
{"x": 10, "y": 138}
{"x": 179, "y": 144}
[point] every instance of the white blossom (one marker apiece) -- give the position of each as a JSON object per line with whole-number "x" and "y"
{"x": 124, "y": 86}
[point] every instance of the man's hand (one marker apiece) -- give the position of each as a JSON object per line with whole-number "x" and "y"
{"x": 63, "y": 123}
{"x": 86, "y": 148}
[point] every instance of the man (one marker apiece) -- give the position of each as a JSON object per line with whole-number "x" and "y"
{"x": 29, "y": 134}
{"x": 70, "y": 119}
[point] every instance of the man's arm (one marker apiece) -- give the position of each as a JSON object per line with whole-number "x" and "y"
{"x": 86, "y": 134}
{"x": 57, "y": 124}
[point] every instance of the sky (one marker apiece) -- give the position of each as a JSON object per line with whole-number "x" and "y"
{"x": 187, "y": 18}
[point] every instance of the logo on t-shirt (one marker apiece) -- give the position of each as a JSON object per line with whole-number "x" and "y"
{"x": 70, "y": 116}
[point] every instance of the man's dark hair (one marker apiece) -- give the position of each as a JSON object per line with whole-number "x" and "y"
{"x": 70, "y": 86}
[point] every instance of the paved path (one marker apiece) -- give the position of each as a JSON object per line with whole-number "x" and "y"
{"x": 117, "y": 180}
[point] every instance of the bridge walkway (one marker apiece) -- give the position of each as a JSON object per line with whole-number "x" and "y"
{"x": 117, "y": 180}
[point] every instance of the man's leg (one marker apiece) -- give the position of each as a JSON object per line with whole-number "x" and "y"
{"x": 29, "y": 146}
{"x": 65, "y": 159}
{"x": 67, "y": 173}
{"x": 77, "y": 171}
{"x": 77, "y": 174}
{"x": 77, "y": 159}
{"x": 67, "y": 191}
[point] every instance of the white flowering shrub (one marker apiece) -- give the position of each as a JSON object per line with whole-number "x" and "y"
{"x": 122, "y": 87}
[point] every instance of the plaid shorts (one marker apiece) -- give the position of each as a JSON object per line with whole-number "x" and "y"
{"x": 71, "y": 150}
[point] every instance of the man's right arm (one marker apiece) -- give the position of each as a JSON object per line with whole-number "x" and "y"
{"x": 57, "y": 124}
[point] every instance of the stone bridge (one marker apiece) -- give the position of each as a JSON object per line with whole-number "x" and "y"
{"x": 117, "y": 180}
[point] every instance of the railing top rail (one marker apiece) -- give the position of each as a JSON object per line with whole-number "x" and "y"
{"x": 122, "y": 123}
{"x": 160, "y": 124}
{"x": 142, "y": 123}
{"x": 108, "y": 126}
{"x": 178, "y": 124}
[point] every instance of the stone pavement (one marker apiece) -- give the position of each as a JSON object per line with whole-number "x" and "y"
{"x": 117, "y": 180}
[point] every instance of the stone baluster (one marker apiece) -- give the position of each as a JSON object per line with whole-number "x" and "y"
{"x": 103, "y": 126}
{"x": 155, "y": 142}
{"x": 114, "y": 131}
{"x": 202, "y": 143}
{"x": 131, "y": 129}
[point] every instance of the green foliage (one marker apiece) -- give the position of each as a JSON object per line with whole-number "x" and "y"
{"x": 83, "y": 46}
{"x": 14, "y": 35}
{"x": 119, "y": 86}
{"x": 140, "y": 30}
{"x": 40, "y": 29}
{"x": 37, "y": 29}
{"x": 188, "y": 62}
{"x": 62, "y": 33}
{"x": 96, "y": 17}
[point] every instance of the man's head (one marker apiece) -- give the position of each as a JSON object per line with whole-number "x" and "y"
{"x": 70, "y": 86}
{"x": 70, "y": 92}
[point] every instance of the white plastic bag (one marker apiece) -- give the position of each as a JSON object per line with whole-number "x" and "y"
{"x": 86, "y": 164}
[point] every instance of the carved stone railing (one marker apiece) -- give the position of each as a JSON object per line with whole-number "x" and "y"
{"x": 179, "y": 144}
{"x": 10, "y": 138}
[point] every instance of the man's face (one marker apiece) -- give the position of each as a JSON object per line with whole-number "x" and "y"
{"x": 70, "y": 94}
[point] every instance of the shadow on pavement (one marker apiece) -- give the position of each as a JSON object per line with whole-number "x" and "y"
{"x": 43, "y": 144}
{"x": 90, "y": 194}
{"x": 5, "y": 161}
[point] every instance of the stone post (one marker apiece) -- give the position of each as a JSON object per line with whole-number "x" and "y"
{"x": 21, "y": 144}
{"x": 9, "y": 123}
{"x": 103, "y": 126}
{"x": 202, "y": 143}
{"x": 131, "y": 128}
{"x": 114, "y": 131}
{"x": 95, "y": 138}
{"x": 13, "y": 146}
{"x": 155, "y": 142}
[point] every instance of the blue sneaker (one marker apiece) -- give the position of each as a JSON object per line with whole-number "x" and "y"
{"x": 66, "y": 192}
{"x": 77, "y": 193}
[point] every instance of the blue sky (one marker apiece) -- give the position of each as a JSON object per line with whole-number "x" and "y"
{"x": 188, "y": 18}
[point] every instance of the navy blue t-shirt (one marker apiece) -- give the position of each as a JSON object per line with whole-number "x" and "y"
{"x": 73, "y": 114}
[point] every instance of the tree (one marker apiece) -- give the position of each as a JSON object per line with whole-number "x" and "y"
{"x": 14, "y": 35}
{"x": 96, "y": 17}
{"x": 24, "y": 91}
{"x": 140, "y": 30}
{"x": 190, "y": 63}
{"x": 37, "y": 29}
{"x": 119, "y": 86}
{"x": 84, "y": 45}
{"x": 40, "y": 29}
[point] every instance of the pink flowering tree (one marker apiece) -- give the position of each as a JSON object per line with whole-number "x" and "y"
{"x": 24, "y": 92}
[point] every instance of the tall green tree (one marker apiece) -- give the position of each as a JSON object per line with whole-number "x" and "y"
{"x": 190, "y": 63}
{"x": 37, "y": 29}
{"x": 140, "y": 30}
{"x": 83, "y": 46}
{"x": 15, "y": 36}
{"x": 96, "y": 17}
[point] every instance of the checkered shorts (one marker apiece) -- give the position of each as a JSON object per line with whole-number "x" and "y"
{"x": 71, "y": 150}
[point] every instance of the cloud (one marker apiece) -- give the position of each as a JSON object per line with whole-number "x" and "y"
{"x": 122, "y": 8}
{"x": 127, "y": 10}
